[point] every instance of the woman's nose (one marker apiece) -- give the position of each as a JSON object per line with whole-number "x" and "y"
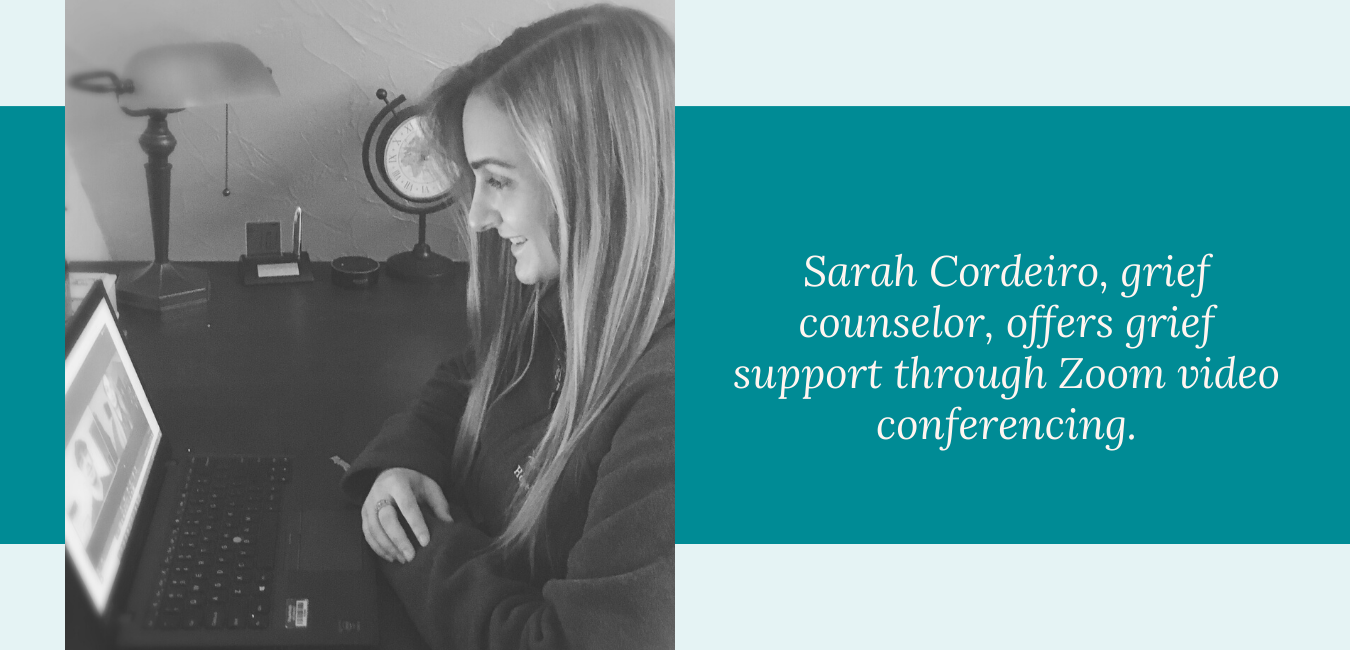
{"x": 481, "y": 215}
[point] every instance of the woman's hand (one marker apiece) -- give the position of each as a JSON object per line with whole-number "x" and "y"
{"x": 400, "y": 490}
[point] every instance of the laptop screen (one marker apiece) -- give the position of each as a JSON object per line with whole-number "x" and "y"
{"x": 111, "y": 439}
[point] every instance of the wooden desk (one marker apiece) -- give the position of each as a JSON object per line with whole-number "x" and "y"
{"x": 307, "y": 368}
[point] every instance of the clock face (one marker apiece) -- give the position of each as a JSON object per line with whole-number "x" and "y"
{"x": 414, "y": 168}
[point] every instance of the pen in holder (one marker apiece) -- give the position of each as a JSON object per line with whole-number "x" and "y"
{"x": 264, "y": 263}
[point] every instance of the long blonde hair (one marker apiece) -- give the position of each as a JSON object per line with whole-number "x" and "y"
{"x": 590, "y": 92}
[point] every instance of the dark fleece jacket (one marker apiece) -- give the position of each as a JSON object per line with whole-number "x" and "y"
{"x": 603, "y": 574}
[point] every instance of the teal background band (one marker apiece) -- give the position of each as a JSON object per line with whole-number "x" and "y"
{"x": 1266, "y": 191}
{"x": 31, "y": 182}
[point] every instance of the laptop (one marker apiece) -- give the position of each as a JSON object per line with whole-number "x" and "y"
{"x": 199, "y": 551}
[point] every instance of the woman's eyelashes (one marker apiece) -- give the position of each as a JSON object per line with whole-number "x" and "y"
{"x": 496, "y": 182}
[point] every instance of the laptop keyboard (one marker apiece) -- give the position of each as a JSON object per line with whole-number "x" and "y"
{"x": 217, "y": 573}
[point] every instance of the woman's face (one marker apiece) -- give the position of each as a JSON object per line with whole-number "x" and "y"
{"x": 509, "y": 196}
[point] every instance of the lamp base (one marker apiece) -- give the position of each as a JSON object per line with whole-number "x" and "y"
{"x": 162, "y": 286}
{"x": 419, "y": 264}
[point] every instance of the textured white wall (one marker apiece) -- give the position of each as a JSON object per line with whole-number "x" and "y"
{"x": 84, "y": 237}
{"x": 303, "y": 148}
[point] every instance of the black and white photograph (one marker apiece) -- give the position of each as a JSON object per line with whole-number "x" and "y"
{"x": 396, "y": 280}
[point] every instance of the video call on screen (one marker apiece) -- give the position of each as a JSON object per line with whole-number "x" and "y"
{"x": 106, "y": 436}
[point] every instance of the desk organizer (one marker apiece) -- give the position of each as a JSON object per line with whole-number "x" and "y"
{"x": 249, "y": 269}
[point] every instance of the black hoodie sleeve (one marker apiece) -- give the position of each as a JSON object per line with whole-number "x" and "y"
{"x": 421, "y": 438}
{"x": 619, "y": 586}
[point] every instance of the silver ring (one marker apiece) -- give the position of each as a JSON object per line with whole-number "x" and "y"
{"x": 382, "y": 503}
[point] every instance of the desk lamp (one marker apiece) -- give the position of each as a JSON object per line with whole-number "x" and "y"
{"x": 162, "y": 80}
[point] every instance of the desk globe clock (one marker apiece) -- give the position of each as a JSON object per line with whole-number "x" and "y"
{"x": 411, "y": 177}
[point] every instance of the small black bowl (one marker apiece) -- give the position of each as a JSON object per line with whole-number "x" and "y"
{"x": 355, "y": 272}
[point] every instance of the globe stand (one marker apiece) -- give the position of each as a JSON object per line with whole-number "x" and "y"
{"x": 420, "y": 264}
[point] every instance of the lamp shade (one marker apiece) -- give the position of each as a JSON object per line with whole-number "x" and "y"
{"x": 195, "y": 74}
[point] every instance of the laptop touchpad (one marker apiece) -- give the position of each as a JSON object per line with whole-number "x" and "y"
{"x": 330, "y": 540}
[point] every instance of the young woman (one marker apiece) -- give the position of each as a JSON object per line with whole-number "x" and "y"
{"x": 536, "y": 473}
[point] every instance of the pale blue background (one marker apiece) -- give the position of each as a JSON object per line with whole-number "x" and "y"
{"x": 32, "y": 605}
{"x": 1023, "y": 52}
{"x": 854, "y": 52}
{"x": 32, "y": 601}
{"x": 1041, "y": 597}
{"x": 32, "y": 54}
